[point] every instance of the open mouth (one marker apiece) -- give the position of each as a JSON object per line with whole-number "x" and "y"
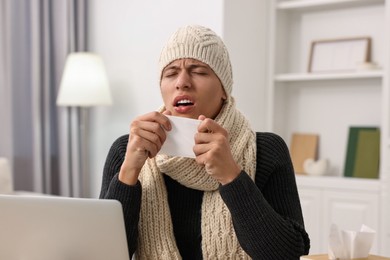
{"x": 184, "y": 103}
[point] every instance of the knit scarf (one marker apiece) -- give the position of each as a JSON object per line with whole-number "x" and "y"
{"x": 156, "y": 238}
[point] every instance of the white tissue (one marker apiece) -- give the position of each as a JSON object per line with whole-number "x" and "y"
{"x": 181, "y": 139}
{"x": 350, "y": 244}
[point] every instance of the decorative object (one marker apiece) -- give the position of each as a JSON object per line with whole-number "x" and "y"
{"x": 362, "y": 155}
{"x": 339, "y": 55}
{"x": 84, "y": 84}
{"x": 303, "y": 146}
{"x": 367, "y": 66}
{"x": 315, "y": 168}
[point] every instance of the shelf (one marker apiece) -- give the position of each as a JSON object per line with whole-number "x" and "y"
{"x": 291, "y": 77}
{"x": 344, "y": 183}
{"x": 302, "y": 4}
{"x": 327, "y": 103}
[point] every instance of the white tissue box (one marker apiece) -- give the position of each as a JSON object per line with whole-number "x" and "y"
{"x": 346, "y": 244}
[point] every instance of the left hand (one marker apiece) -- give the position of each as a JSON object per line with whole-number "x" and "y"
{"x": 212, "y": 150}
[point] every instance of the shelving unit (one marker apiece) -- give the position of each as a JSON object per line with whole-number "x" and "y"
{"x": 358, "y": 94}
{"x": 354, "y": 184}
{"x": 291, "y": 77}
{"x": 328, "y": 104}
{"x": 305, "y": 4}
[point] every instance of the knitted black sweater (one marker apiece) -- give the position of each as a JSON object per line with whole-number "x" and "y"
{"x": 267, "y": 215}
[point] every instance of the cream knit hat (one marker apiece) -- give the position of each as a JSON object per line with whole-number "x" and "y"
{"x": 200, "y": 43}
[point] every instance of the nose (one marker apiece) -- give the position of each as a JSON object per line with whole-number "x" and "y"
{"x": 183, "y": 80}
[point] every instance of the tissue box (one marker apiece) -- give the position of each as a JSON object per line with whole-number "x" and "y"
{"x": 326, "y": 257}
{"x": 345, "y": 244}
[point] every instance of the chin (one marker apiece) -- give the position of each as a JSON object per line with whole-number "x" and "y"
{"x": 186, "y": 115}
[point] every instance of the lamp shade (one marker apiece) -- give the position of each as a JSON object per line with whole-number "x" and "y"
{"x": 84, "y": 81}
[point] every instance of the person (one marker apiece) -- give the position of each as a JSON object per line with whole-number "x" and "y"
{"x": 237, "y": 199}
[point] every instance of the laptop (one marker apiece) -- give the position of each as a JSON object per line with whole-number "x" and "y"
{"x": 59, "y": 228}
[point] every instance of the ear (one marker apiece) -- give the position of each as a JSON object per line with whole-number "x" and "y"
{"x": 224, "y": 96}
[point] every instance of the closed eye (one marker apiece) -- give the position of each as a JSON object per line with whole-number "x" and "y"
{"x": 169, "y": 73}
{"x": 200, "y": 72}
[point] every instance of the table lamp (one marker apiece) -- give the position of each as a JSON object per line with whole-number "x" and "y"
{"x": 84, "y": 84}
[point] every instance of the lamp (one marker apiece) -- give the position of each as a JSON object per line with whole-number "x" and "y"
{"x": 84, "y": 84}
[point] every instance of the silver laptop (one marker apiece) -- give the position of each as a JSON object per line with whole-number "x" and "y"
{"x": 57, "y": 228}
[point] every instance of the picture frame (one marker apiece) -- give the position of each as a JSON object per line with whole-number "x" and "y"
{"x": 339, "y": 55}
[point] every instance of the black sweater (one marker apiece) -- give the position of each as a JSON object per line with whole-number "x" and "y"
{"x": 267, "y": 215}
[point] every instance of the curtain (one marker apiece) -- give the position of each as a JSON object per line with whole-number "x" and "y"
{"x": 5, "y": 120}
{"x": 40, "y": 139}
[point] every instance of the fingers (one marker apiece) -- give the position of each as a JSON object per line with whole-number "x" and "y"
{"x": 210, "y": 137}
{"x": 201, "y": 160}
{"x": 147, "y": 132}
{"x": 152, "y": 122}
{"x": 210, "y": 144}
{"x": 167, "y": 112}
{"x": 145, "y": 141}
{"x": 212, "y": 149}
{"x": 159, "y": 118}
{"x": 201, "y": 117}
{"x": 210, "y": 126}
{"x": 147, "y": 135}
{"x": 150, "y": 131}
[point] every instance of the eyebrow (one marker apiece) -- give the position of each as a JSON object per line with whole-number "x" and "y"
{"x": 191, "y": 66}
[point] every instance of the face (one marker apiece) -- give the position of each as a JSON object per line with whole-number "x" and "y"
{"x": 190, "y": 88}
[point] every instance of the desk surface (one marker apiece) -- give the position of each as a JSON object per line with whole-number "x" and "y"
{"x": 325, "y": 257}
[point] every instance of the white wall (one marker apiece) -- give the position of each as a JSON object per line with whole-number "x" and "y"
{"x": 129, "y": 35}
{"x": 245, "y": 28}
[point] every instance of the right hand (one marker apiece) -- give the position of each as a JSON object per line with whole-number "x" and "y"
{"x": 147, "y": 135}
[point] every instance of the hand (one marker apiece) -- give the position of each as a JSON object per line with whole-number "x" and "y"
{"x": 212, "y": 149}
{"x": 147, "y": 135}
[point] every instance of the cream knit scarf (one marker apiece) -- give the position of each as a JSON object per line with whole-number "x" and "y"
{"x": 156, "y": 238}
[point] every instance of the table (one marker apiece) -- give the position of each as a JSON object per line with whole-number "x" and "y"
{"x": 325, "y": 257}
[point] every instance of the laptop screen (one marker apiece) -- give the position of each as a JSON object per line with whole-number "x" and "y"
{"x": 58, "y": 228}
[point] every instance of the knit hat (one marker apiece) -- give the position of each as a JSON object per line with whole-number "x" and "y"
{"x": 200, "y": 43}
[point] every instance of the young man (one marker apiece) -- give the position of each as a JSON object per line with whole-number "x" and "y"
{"x": 236, "y": 200}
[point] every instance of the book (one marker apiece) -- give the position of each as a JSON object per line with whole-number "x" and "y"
{"x": 303, "y": 146}
{"x": 363, "y": 153}
{"x": 351, "y": 152}
{"x": 367, "y": 155}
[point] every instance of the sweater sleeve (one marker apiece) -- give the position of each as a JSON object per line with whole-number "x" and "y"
{"x": 267, "y": 215}
{"x": 128, "y": 195}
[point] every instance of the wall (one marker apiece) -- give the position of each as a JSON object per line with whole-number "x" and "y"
{"x": 245, "y": 24}
{"x": 129, "y": 35}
